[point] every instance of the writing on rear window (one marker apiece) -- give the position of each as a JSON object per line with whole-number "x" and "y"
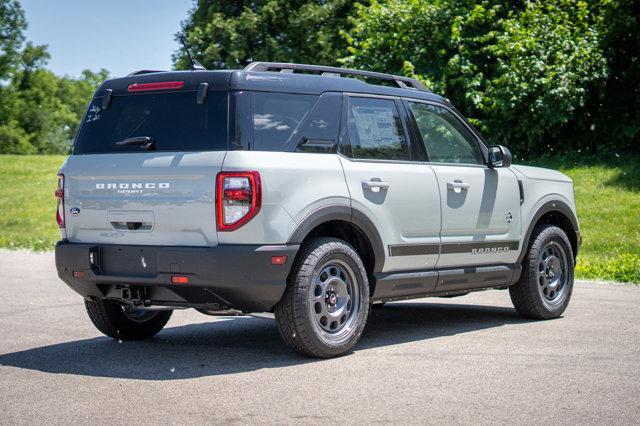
{"x": 162, "y": 121}
{"x": 93, "y": 114}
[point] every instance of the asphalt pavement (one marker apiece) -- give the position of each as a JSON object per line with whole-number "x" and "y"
{"x": 462, "y": 360}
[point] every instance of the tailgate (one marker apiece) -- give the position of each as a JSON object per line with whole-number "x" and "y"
{"x": 145, "y": 162}
{"x": 147, "y": 198}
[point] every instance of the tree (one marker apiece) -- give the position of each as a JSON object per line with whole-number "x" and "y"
{"x": 12, "y": 25}
{"x": 39, "y": 111}
{"x": 523, "y": 72}
{"x": 230, "y": 34}
{"x": 614, "y": 109}
{"x": 49, "y": 108}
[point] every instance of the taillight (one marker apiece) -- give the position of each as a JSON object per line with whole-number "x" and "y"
{"x": 60, "y": 196}
{"x": 238, "y": 199}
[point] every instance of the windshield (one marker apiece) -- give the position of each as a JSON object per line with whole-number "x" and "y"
{"x": 173, "y": 121}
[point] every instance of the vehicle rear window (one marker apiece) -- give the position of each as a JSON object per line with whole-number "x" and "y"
{"x": 174, "y": 121}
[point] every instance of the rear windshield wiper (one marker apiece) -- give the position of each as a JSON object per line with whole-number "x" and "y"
{"x": 146, "y": 142}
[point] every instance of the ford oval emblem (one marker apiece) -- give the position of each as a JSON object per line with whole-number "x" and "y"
{"x": 75, "y": 211}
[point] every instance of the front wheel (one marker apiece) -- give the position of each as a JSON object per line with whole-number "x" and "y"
{"x": 546, "y": 283}
{"x": 326, "y": 304}
{"x": 125, "y": 322}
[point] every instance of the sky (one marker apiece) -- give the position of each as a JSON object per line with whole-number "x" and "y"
{"x": 120, "y": 35}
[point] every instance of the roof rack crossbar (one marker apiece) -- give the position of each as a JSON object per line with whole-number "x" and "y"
{"x": 400, "y": 81}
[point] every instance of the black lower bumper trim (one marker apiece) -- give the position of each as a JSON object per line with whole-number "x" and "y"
{"x": 228, "y": 275}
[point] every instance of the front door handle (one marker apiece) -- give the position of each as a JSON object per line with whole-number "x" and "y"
{"x": 457, "y": 186}
{"x": 375, "y": 185}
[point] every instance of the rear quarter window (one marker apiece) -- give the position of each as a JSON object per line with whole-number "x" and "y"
{"x": 272, "y": 121}
{"x": 173, "y": 120}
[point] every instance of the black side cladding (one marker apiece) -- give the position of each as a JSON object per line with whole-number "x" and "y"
{"x": 346, "y": 214}
{"x": 565, "y": 212}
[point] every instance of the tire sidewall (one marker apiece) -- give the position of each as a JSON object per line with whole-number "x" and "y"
{"x": 108, "y": 316}
{"x": 306, "y": 284}
{"x": 546, "y": 235}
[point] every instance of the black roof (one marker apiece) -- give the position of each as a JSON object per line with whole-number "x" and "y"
{"x": 267, "y": 81}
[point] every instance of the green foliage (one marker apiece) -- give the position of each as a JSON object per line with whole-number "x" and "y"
{"x": 39, "y": 111}
{"x": 231, "y": 34}
{"x": 546, "y": 58}
{"x": 540, "y": 77}
{"x": 12, "y": 25}
{"x": 615, "y": 107}
{"x": 14, "y": 140}
{"x": 623, "y": 268}
{"x": 522, "y": 72}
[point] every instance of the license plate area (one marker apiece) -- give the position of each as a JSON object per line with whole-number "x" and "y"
{"x": 137, "y": 261}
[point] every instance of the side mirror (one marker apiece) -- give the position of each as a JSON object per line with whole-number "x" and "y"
{"x": 499, "y": 156}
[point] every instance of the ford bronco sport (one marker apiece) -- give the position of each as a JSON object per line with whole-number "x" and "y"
{"x": 302, "y": 190}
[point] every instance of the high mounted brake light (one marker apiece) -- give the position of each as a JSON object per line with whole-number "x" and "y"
{"x": 179, "y": 279}
{"x": 160, "y": 85}
{"x": 59, "y": 193}
{"x": 238, "y": 199}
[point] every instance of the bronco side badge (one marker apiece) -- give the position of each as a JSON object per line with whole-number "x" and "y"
{"x": 508, "y": 217}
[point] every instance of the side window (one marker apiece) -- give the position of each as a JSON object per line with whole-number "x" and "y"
{"x": 269, "y": 121}
{"x": 276, "y": 117}
{"x": 375, "y": 130}
{"x": 446, "y": 139}
{"x": 321, "y": 127}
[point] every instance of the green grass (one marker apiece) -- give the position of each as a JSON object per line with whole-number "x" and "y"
{"x": 607, "y": 195}
{"x": 27, "y": 203}
{"x": 608, "y": 202}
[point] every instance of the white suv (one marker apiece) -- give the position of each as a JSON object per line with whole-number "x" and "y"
{"x": 303, "y": 191}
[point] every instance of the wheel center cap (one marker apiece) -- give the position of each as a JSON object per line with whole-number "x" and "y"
{"x": 331, "y": 297}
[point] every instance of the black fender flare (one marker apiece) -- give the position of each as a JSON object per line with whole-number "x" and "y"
{"x": 549, "y": 207}
{"x": 347, "y": 214}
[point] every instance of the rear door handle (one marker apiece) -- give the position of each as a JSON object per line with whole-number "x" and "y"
{"x": 375, "y": 185}
{"x": 457, "y": 186}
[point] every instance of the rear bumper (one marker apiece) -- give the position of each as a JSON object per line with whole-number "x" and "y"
{"x": 226, "y": 276}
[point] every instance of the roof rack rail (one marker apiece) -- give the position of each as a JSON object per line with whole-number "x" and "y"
{"x": 400, "y": 81}
{"x": 140, "y": 72}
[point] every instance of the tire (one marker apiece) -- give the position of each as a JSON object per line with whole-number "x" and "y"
{"x": 328, "y": 281}
{"x": 542, "y": 292}
{"x": 125, "y": 323}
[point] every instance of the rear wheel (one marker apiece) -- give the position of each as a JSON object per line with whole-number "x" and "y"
{"x": 125, "y": 322}
{"x": 325, "y": 306}
{"x": 546, "y": 284}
